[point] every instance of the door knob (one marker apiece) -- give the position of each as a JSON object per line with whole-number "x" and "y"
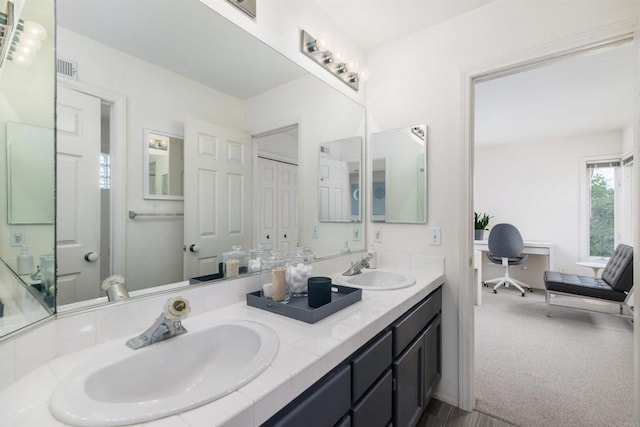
{"x": 91, "y": 257}
{"x": 194, "y": 248}
{"x": 285, "y": 236}
{"x": 268, "y": 236}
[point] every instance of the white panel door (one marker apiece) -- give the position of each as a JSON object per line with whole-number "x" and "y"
{"x": 217, "y": 195}
{"x": 287, "y": 207}
{"x": 277, "y": 206}
{"x": 77, "y": 195}
{"x": 335, "y": 203}
{"x": 268, "y": 204}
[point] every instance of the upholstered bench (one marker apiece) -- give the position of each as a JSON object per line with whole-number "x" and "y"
{"x": 614, "y": 286}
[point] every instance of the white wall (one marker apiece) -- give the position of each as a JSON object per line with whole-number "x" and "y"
{"x": 537, "y": 185}
{"x": 159, "y": 100}
{"x": 418, "y": 79}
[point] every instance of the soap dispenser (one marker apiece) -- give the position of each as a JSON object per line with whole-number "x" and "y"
{"x": 373, "y": 262}
{"x": 25, "y": 261}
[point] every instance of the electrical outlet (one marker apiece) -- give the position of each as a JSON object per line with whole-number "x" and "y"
{"x": 435, "y": 236}
{"x": 356, "y": 232}
{"x": 377, "y": 234}
{"x": 17, "y": 237}
{"x": 314, "y": 231}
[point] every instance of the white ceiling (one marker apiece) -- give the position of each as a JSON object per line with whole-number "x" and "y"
{"x": 588, "y": 93}
{"x": 371, "y": 23}
{"x": 183, "y": 36}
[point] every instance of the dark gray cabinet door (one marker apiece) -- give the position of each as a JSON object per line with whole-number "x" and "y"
{"x": 375, "y": 409}
{"x": 432, "y": 357}
{"x": 325, "y": 406}
{"x": 408, "y": 396}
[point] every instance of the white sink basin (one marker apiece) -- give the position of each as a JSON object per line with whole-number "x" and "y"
{"x": 377, "y": 280}
{"x": 125, "y": 386}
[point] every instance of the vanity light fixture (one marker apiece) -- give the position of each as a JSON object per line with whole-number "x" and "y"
{"x": 247, "y": 6}
{"x": 21, "y": 40}
{"x": 7, "y": 29}
{"x": 334, "y": 62}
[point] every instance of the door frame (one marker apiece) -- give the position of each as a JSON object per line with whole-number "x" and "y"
{"x": 522, "y": 60}
{"x": 118, "y": 146}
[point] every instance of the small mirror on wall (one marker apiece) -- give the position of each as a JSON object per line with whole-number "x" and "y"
{"x": 399, "y": 175}
{"x": 163, "y": 166}
{"x": 30, "y": 174}
{"x": 339, "y": 179}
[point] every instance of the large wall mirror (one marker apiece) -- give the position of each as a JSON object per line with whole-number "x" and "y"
{"x": 399, "y": 175}
{"x": 27, "y": 150}
{"x": 251, "y": 128}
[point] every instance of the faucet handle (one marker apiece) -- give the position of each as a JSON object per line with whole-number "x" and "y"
{"x": 177, "y": 308}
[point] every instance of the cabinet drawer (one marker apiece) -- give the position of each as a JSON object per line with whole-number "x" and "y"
{"x": 324, "y": 406}
{"x": 375, "y": 407}
{"x": 369, "y": 364}
{"x": 409, "y": 325}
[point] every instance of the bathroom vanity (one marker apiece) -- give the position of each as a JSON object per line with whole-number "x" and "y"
{"x": 377, "y": 360}
{"x": 388, "y": 381}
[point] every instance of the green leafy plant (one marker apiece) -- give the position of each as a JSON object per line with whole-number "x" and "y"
{"x": 481, "y": 220}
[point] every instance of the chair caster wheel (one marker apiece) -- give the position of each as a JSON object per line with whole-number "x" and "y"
{"x": 495, "y": 292}
{"x": 485, "y": 285}
{"x": 523, "y": 295}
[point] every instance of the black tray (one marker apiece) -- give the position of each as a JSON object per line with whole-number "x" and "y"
{"x": 298, "y": 307}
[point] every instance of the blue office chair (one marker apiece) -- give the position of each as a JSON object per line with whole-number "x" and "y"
{"x": 505, "y": 248}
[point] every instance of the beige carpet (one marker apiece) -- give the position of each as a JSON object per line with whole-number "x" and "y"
{"x": 573, "y": 369}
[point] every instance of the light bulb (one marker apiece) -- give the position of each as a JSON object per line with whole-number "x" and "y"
{"x": 35, "y": 30}
{"x": 338, "y": 56}
{"x": 32, "y": 42}
{"x": 21, "y": 59}
{"x": 322, "y": 43}
{"x": 363, "y": 75}
{"x": 353, "y": 65}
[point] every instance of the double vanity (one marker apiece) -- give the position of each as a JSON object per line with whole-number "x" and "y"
{"x": 374, "y": 362}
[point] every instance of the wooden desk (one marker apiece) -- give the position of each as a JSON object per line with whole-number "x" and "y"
{"x": 531, "y": 247}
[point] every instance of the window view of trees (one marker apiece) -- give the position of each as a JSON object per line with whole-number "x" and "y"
{"x": 601, "y": 227}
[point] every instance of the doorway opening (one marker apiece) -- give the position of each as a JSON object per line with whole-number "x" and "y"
{"x": 533, "y": 182}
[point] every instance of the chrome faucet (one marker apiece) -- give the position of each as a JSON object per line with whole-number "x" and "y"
{"x": 356, "y": 267}
{"x": 167, "y": 325}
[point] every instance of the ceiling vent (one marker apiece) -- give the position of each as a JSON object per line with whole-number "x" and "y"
{"x": 67, "y": 69}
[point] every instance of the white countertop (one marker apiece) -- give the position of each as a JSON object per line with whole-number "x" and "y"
{"x": 306, "y": 353}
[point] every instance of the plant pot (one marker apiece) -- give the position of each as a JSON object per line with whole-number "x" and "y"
{"x": 479, "y": 234}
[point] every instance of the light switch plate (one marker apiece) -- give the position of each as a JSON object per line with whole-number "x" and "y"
{"x": 377, "y": 234}
{"x": 434, "y": 236}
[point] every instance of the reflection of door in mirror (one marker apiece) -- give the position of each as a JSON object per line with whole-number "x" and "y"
{"x": 217, "y": 215}
{"x": 339, "y": 180}
{"x": 276, "y": 195}
{"x": 79, "y": 211}
{"x": 164, "y": 166}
